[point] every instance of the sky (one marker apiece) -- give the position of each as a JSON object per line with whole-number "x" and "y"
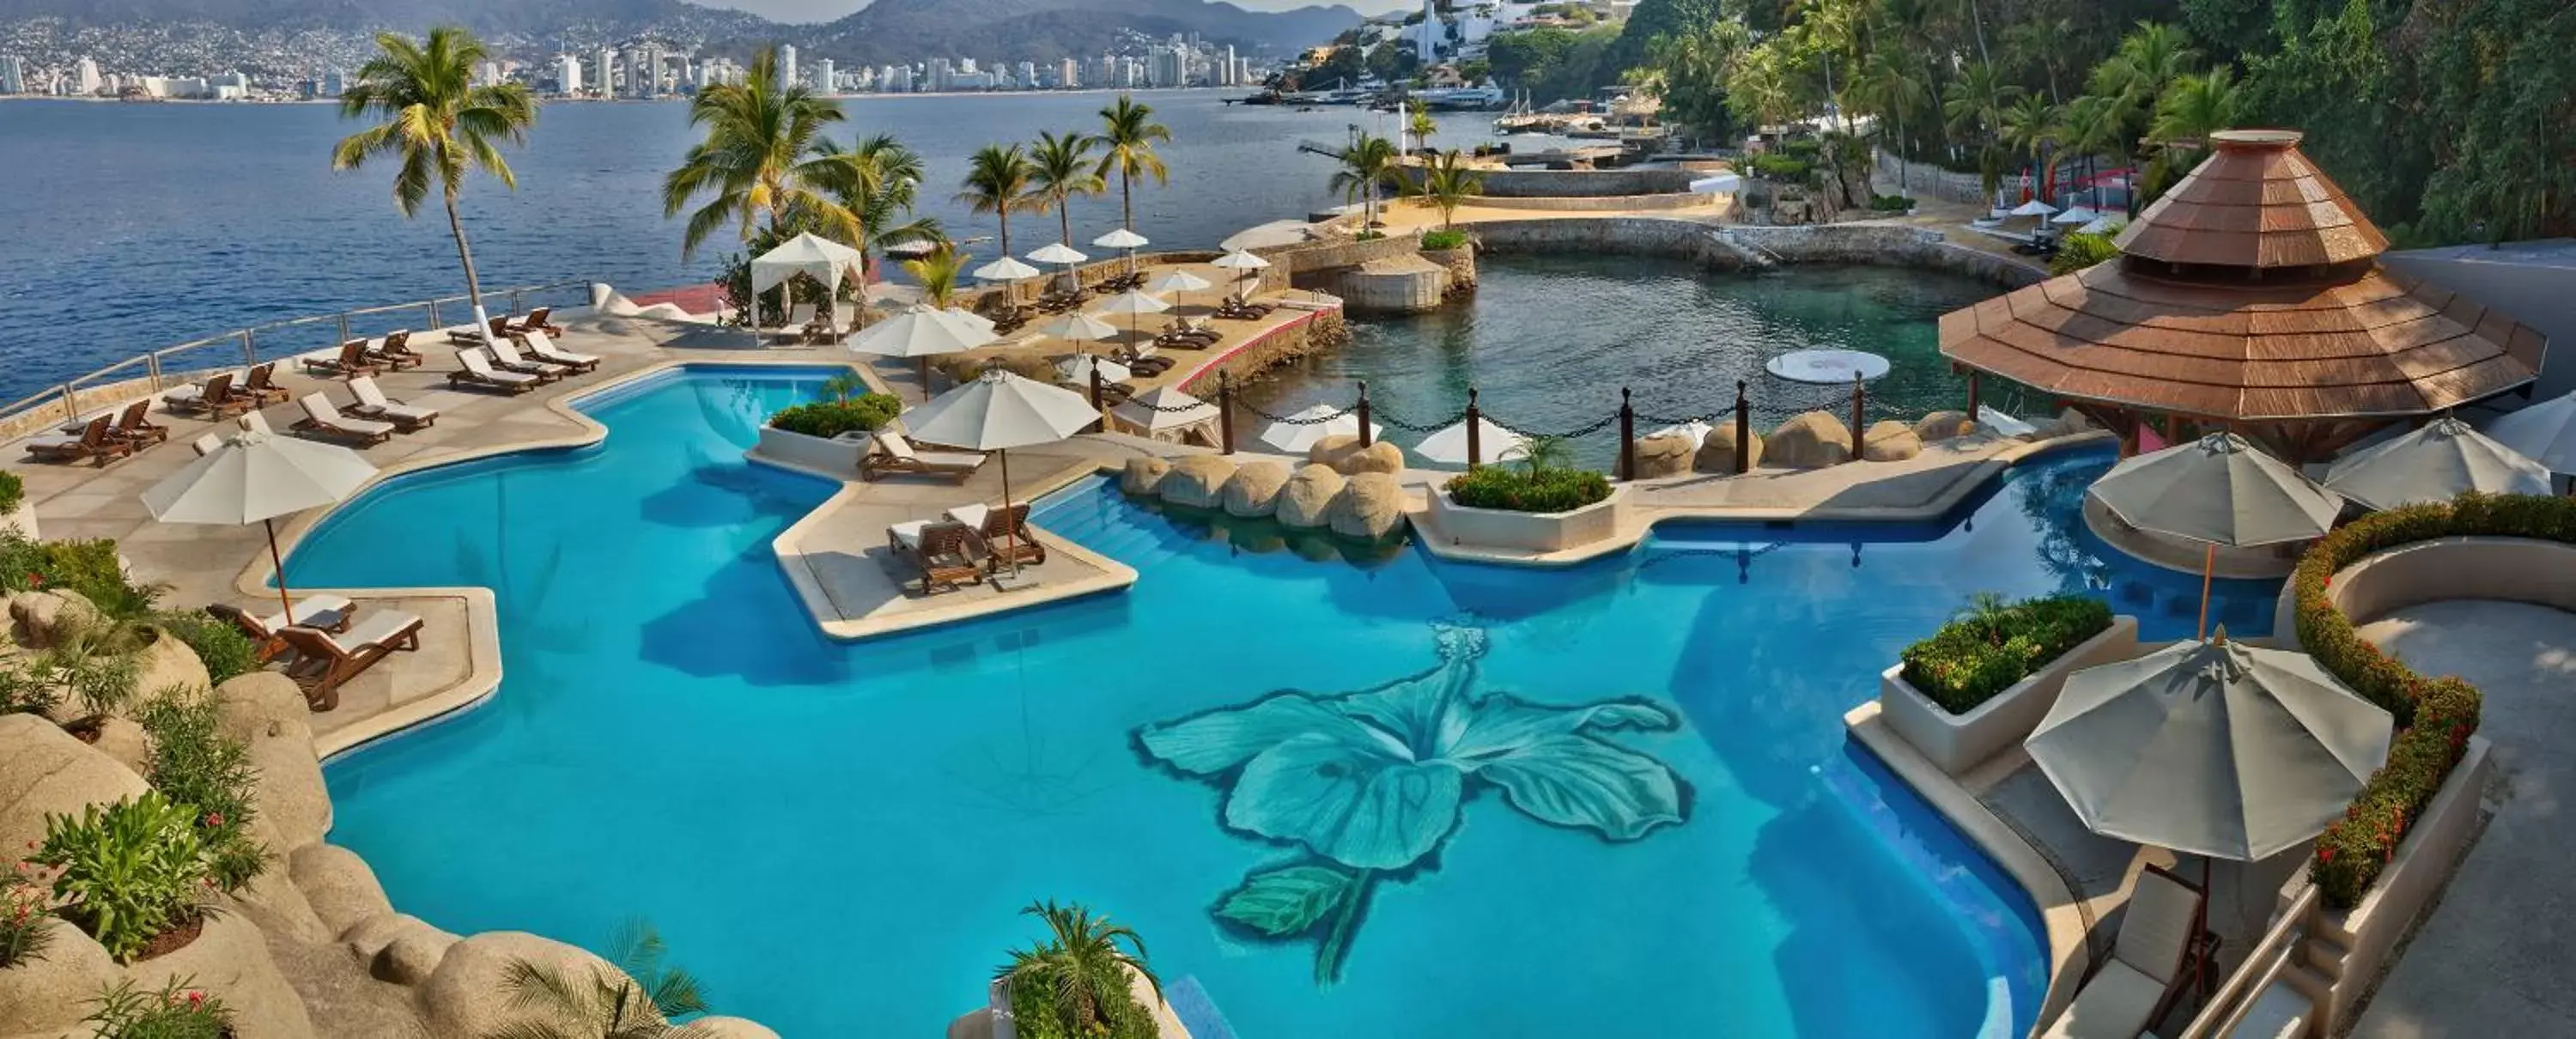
{"x": 827, "y": 10}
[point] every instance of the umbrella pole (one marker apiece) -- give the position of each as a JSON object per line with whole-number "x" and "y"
{"x": 1011, "y": 534}
{"x": 279, "y": 562}
{"x": 2208, "y": 567}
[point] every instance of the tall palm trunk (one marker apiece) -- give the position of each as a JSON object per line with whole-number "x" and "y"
{"x": 1977, "y": 20}
{"x": 465, "y": 256}
{"x": 1126, "y": 199}
{"x": 1064, "y": 215}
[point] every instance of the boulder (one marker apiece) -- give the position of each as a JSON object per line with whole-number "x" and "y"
{"x": 1809, "y": 441}
{"x": 51, "y": 993}
{"x": 1370, "y": 506}
{"x": 1717, "y": 451}
{"x": 1943, "y": 425}
{"x": 398, "y": 947}
{"x": 1378, "y": 457}
{"x": 263, "y": 704}
{"x": 44, "y": 770}
{"x": 39, "y": 616}
{"x": 265, "y": 710}
{"x": 1197, "y": 481}
{"x": 230, "y": 960}
{"x": 1142, "y": 474}
{"x": 1663, "y": 456}
{"x": 169, "y": 664}
{"x": 1332, "y": 449}
{"x": 272, "y": 900}
{"x": 728, "y": 1028}
{"x": 1306, "y": 500}
{"x": 2069, "y": 422}
{"x": 465, "y": 995}
{"x": 1889, "y": 441}
{"x": 338, "y": 885}
{"x": 1253, "y": 491}
{"x": 123, "y": 740}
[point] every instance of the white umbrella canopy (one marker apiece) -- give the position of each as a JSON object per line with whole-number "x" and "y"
{"x": 1448, "y": 446}
{"x": 1058, "y": 252}
{"x": 2544, "y": 432}
{"x": 2213, "y": 748}
{"x": 255, "y": 478}
{"x": 1303, "y": 429}
{"x": 1121, "y": 238}
{"x": 1006, "y": 269}
{"x": 1080, "y": 328}
{"x": 1164, "y": 408}
{"x": 2076, "y": 215}
{"x": 1132, "y": 302}
{"x": 999, "y": 411}
{"x": 1238, "y": 260}
{"x": 922, "y": 331}
{"x": 1077, "y": 369}
{"x": 1179, "y": 281}
{"x": 2033, "y": 207}
{"x": 2102, "y": 225}
{"x": 2217, "y": 490}
{"x": 2435, "y": 463}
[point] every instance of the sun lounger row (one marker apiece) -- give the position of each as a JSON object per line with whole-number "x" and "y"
{"x": 367, "y": 357}
{"x": 330, "y": 643}
{"x": 100, "y": 439}
{"x": 1239, "y": 309}
{"x": 226, "y": 394}
{"x": 505, "y": 326}
{"x": 372, "y": 418}
{"x": 501, "y": 366}
{"x": 1185, "y": 334}
{"x": 962, "y": 546}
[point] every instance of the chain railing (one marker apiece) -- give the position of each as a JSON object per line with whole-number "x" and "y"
{"x": 158, "y": 370}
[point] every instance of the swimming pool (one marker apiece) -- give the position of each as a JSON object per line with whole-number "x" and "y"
{"x": 1625, "y": 804}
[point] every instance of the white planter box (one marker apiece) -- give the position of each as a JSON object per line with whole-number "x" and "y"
{"x": 23, "y": 518}
{"x": 1530, "y": 531}
{"x": 840, "y": 455}
{"x": 1959, "y": 742}
{"x": 2367, "y": 934}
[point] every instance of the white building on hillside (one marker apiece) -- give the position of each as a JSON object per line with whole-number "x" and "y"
{"x": 85, "y": 77}
{"x": 567, "y": 75}
{"x": 824, "y": 71}
{"x": 786, "y": 64}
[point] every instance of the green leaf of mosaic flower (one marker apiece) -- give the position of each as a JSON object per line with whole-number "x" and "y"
{"x": 1577, "y": 781}
{"x": 1349, "y": 797}
{"x": 1284, "y": 902}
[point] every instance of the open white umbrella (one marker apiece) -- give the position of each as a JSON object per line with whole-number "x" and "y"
{"x": 2033, "y": 207}
{"x": 1058, "y": 252}
{"x": 1078, "y": 327}
{"x": 255, "y": 478}
{"x": 2217, "y": 490}
{"x": 1077, "y": 369}
{"x": 1242, "y": 263}
{"x": 997, "y": 412}
{"x": 1303, "y": 429}
{"x": 2544, "y": 432}
{"x": 2435, "y": 463}
{"x": 2076, "y": 215}
{"x": 2214, "y": 748}
{"x": 1132, "y": 304}
{"x": 2102, "y": 225}
{"x": 923, "y": 331}
{"x": 1006, "y": 269}
{"x": 1125, "y": 240}
{"x": 1179, "y": 281}
{"x": 1448, "y": 446}
{"x": 1164, "y": 408}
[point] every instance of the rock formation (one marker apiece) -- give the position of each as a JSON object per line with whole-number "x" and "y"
{"x": 1809, "y": 441}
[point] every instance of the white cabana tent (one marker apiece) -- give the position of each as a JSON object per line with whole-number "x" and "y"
{"x": 819, "y": 258}
{"x": 1166, "y": 413}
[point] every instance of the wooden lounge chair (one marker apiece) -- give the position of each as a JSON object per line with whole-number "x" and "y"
{"x": 1004, "y": 532}
{"x": 538, "y": 320}
{"x": 324, "y": 662}
{"x": 133, "y": 423}
{"x": 2164, "y": 944}
{"x": 942, "y": 555}
{"x": 506, "y": 356}
{"x": 351, "y": 361}
{"x": 321, "y": 416}
{"x": 889, "y": 453}
{"x": 542, "y": 347}
{"x": 326, "y": 612}
{"x": 469, "y": 335}
{"x": 372, "y": 403}
{"x": 94, "y": 443}
{"x": 217, "y": 397}
{"x": 260, "y": 389}
{"x": 395, "y": 352}
{"x": 475, "y": 369}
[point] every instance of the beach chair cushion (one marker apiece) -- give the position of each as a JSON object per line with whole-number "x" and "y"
{"x": 2156, "y": 930}
{"x": 59, "y": 443}
{"x": 971, "y": 514}
{"x": 480, "y": 365}
{"x": 373, "y": 403}
{"x": 902, "y": 449}
{"x": 378, "y": 627}
{"x": 319, "y": 411}
{"x": 508, "y": 354}
{"x": 2114, "y": 1004}
{"x": 207, "y": 444}
{"x": 543, "y": 346}
{"x": 323, "y": 610}
{"x": 908, "y": 532}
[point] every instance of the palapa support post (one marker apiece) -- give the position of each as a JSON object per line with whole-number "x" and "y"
{"x": 1224, "y": 414}
{"x": 1627, "y": 437}
{"x": 1972, "y": 396}
{"x": 1743, "y": 431}
{"x": 1363, "y": 413}
{"x": 1095, "y": 386}
{"x": 1475, "y": 444}
{"x": 1858, "y": 399}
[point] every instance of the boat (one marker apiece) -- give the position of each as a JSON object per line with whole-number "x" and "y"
{"x": 1462, "y": 99}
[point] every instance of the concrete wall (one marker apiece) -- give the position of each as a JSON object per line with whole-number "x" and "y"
{"x": 1397, "y": 292}
{"x": 2531, "y": 282}
{"x": 1602, "y": 203}
{"x": 2523, "y": 570}
{"x": 1288, "y": 261}
{"x": 1587, "y": 183}
{"x": 1732, "y": 247}
{"x": 2353, "y": 946}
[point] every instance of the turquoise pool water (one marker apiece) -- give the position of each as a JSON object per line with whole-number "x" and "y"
{"x": 1621, "y": 803}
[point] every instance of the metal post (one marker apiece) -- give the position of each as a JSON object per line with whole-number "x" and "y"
{"x": 71, "y": 403}
{"x": 1743, "y": 431}
{"x": 1856, "y": 427}
{"x": 344, "y": 326}
{"x": 1364, "y": 418}
{"x": 433, "y": 316}
{"x": 1627, "y": 437}
{"x": 1972, "y": 395}
{"x": 1225, "y": 413}
{"x": 152, "y": 365}
{"x": 514, "y": 302}
{"x": 250, "y": 350}
{"x": 1475, "y": 445}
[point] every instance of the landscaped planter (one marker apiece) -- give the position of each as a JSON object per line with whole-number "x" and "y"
{"x": 2357, "y": 943}
{"x": 1959, "y": 742}
{"x": 22, "y": 519}
{"x": 1528, "y": 531}
{"x": 2524, "y": 570}
{"x": 839, "y": 455}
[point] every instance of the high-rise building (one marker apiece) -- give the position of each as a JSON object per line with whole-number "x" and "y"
{"x": 13, "y": 74}
{"x": 786, "y": 64}
{"x": 1233, "y": 76}
{"x": 1028, "y": 75}
{"x": 85, "y": 77}
{"x": 1068, "y": 77}
{"x": 1427, "y": 45}
{"x": 567, "y": 75}
{"x": 824, "y": 70}
{"x": 603, "y": 80}
{"x": 1168, "y": 68}
{"x": 943, "y": 75}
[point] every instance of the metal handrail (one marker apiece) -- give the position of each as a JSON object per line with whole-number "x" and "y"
{"x": 67, "y": 392}
{"x": 2263, "y": 965}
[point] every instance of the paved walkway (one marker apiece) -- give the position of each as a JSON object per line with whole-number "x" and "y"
{"x": 2493, "y": 957}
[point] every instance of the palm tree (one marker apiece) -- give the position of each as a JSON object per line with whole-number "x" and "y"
{"x": 635, "y": 1004}
{"x": 997, "y": 182}
{"x": 2189, "y": 111}
{"x": 2090, "y": 127}
{"x": 438, "y": 124}
{"x": 936, "y": 272}
{"x": 878, "y": 181}
{"x": 1126, "y": 139}
{"x": 1419, "y": 121}
{"x": 1893, "y": 89}
{"x": 2030, "y": 126}
{"x": 1081, "y": 966}
{"x": 1447, "y": 182}
{"x": 1062, "y": 171}
{"x": 1976, "y": 101}
{"x": 1367, "y": 163}
{"x": 765, "y": 155}
{"x": 2148, "y": 60}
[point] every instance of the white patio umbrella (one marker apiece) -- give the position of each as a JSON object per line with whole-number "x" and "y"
{"x": 1132, "y": 304}
{"x": 255, "y": 478}
{"x": 1060, "y": 253}
{"x": 1301, "y": 430}
{"x": 1242, "y": 263}
{"x": 997, "y": 412}
{"x": 808, "y": 254}
{"x": 2075, "y": 215}
{"x": 2217, "y": 490}
{"x": 1126, "y": 240}
{"x": 2214, "y": 748}
{"x": 2102, "y": 225}
{"x": 2033, "y": 207}
{"x": 1177, "y": 282}
{"x": 2544, "y": 432}
{"x": 1006, "y": 269}
{"x": 2434, "y": 463}
{"x": 1164, "y": 409}
{"x": 1448, "y": 446}
{"x": 1078, "y": 327}
{"x": 1077, "y": 369}
{"x": 923, "y": 331}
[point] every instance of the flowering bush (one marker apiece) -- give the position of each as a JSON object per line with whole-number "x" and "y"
{"x": 130, "y": 872}
{"x": 197, "y": 764}
{"x": 23, "y": 909}
{"x": 177, "y": 1011}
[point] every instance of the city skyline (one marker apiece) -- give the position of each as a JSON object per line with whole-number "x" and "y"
{"x": 809, "y": 12}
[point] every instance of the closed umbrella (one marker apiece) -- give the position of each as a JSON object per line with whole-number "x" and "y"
{"x": 999, "y": 411}
{"x": 1448, "y": 446}
{"x": 2435, "y": 463}
{"x": 923, "y": 331}
{"x": 255, "y": 478}
{"x": 1123, "y": 239}
{"x": 2544, "y": 432}
{"x": 2214, "y": 748}
{"x": 2218, "y": 490}
{"x": 1302, "y": 430}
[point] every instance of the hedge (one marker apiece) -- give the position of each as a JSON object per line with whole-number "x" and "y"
{"x": 1519, "y": 489}
{"x": 1990, "y": 647}
{"x": 2435, "y": 716}
{"x": 831, "y": 418}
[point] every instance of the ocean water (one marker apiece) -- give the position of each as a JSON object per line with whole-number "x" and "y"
{"x": 1647, "y": 820}
{"x": 128, "y": 228}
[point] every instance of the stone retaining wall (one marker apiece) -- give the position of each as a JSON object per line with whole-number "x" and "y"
{"x": 1288, "y": 261}
{"x": 1604, "y": 203}
{"x": 1736, "y": 247}
{"x": 1657, "y": 180}
{"x": 1325, "y": 331}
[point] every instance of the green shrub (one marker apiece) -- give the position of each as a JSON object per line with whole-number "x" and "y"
{"x": 1890, "y": 203}
{"x": 1032, "y": 1012}
{"x": 129, "y": 872}
{"x": 1439, "y": 240}
{"x": 226, "y": 651}
{"x": 25, "y": 687}
{"x": 1787, "y": 169}
{"x": 88, "y": 567}
{"x": 12, "y": 491}
{"x": 1528, "y": 489}
{"x": 177, "y": 1011}
{"x": 830, "y": 418}
{"x": 1994, "y": 644}
{"x": 22, "y": 917}
{"x": 196, "y": 764}
{"x": 2078, "y": 251}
